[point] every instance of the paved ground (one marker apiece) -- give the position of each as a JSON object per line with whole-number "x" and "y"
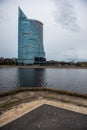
{"x": 48, "y": 117}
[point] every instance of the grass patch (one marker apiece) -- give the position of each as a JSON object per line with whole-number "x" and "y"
{"x": 17, "y": 102}
{"x": 66, "y": 101}
{"x": 42, "y": 89}
{"x": 9, "y": 104}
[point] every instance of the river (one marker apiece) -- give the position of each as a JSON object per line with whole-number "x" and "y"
{"x": 74, "y": 80}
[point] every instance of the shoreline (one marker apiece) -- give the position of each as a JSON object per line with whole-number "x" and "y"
{"x": 40, "y": 66}
{"x": 7, "y": 98}
{"x": 42, "y": 89}
{"x": 17, "y": 103}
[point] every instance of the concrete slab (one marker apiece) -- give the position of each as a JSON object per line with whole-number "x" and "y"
{"x": 47, "y": 117}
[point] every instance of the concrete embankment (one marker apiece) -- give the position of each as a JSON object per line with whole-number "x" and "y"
{"x": 16, "y": 103}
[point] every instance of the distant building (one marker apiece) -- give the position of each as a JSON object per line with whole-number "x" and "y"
{"x": 30, "y": 40}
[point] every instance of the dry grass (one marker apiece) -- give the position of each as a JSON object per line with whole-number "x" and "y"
{"x": 43, "y": 89}
{"x": 13, "y": 98}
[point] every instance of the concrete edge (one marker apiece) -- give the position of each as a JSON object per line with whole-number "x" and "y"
{"x": 24, "y": 108}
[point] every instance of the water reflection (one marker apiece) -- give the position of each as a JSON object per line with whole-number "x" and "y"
{"x": 74, "y": 80}
{"x": 65, "y": 79}
{"x": 11, "y": 78}
{"x": 31, "y": 77}
{"x": 8, "y": 79}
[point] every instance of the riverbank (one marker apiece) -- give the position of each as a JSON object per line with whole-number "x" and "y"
{"x": 40, "y": 66}
{"x": 15, "y": 104}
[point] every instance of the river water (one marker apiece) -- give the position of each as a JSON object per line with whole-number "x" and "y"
{"x": 74, "y": 80}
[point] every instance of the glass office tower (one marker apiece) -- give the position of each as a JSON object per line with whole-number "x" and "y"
{"x": 30, "y": 40}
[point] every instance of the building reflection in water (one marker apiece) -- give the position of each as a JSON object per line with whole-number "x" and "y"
{"x": 31, "y": 77}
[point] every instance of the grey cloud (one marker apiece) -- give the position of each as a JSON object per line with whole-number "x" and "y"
{"x": 2, "y": 1}
{"x": 65, "y": 15}
{"x": 84, "y": 1}
{"x": 3, "y": 16}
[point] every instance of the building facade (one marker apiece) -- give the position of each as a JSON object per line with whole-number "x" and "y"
{"x": 30, "y": 40}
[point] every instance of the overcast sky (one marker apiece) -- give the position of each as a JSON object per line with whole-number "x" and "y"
{"x": 65, "y": 27}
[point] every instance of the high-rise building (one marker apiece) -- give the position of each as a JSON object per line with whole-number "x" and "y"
{"x": 30, "y": 40}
